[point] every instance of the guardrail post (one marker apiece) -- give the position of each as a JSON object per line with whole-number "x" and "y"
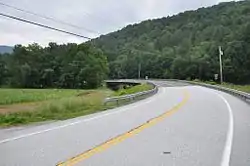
{"x": 131, "y": 99}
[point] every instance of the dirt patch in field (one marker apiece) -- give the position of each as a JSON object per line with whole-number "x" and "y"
{"x": 24, "y": 107}
{"x": 87, "y": 93}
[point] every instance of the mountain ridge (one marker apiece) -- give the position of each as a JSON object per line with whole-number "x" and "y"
{"x": 5, "y": 49}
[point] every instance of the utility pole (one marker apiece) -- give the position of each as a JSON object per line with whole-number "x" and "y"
{"x": 139, "y": 71}
{"x": 221, "y": 67}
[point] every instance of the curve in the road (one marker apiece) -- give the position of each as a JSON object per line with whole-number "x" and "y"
{"x": 122, "y": 137}
{"x": 211, "y": 129}
{"x": 229, "y": 141}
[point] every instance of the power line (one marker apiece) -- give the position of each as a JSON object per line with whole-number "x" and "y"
{"x": 42, "y": 25}
{"x": 48, "y": 18}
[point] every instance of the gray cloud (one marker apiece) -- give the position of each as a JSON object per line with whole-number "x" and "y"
{"x": 102, "y": 16}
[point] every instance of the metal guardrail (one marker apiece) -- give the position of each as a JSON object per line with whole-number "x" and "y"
{"x": 132, "y": 97}
{"x": 243, "y": 95}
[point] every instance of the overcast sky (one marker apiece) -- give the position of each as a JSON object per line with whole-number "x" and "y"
{"x": 101, "y": 16}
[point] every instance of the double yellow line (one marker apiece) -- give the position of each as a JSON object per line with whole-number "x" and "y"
{"x": 122, "y": 137}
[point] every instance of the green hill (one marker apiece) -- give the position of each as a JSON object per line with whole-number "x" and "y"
{"x": 184, "y": 46}
{"x": 5, "y": 49}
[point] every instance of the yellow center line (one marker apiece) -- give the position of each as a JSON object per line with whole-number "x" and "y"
{"x": 122, "y": 137}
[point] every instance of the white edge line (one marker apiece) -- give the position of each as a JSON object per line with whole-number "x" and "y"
{"x": 229, "y": 141}
{"x": 77, "y": 122}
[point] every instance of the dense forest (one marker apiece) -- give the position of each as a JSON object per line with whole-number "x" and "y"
{"x": 184, "y": 46}
{"x": 59, "y": 66}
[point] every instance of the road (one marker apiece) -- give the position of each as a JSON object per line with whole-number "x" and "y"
{"x": 179, "y": 126}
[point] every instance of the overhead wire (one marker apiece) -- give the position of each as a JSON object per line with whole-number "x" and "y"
{"x": 42, "y": 25}
{"x": 49, "y": 18}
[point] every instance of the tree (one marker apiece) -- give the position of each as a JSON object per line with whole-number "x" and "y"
{"x": 184, "y": 45}
{"x": 60, "y": 66}
{"x": 3, "y": 70}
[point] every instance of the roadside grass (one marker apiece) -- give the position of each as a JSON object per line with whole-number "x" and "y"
{"x": 243, "y": 88}
{"x": 59, "y": 109}
{"x": 13, "y": 96}
{"x": 133, "y": 89}
{"x": 57, "y": 104}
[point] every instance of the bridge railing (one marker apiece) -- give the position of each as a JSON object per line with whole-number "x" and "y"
{"x": 132, "y": 97}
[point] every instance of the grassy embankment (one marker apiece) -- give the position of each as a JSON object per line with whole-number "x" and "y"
{"x": 23, "y": 106}
{"x": 243, "y": 88}
{"x": 133, "y": 89}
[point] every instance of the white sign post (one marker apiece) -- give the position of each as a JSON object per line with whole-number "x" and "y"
{"x": 221, "y": 67}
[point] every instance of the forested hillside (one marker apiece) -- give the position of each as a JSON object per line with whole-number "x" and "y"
{"x": 59, "y": 66}
{"x": 184, "y": 46}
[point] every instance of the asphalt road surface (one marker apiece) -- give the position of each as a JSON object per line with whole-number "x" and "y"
{"x": 179, "y": 126}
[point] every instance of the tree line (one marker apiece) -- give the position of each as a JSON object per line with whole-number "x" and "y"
{"x": 55, "y": 66}
{"x": 184, "y": 46}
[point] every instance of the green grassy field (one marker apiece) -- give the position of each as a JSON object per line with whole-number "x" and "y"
{"x": 12, "y": 96}
{"x": 59, "y": 105}
{"x": 54, "y": 104}
{"x": 133, "y": 89}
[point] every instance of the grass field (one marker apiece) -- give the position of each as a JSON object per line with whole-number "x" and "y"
{"x": 59, "y": 105}
{"x": 23, "y": 106}
{"x": 12, "y": 96}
